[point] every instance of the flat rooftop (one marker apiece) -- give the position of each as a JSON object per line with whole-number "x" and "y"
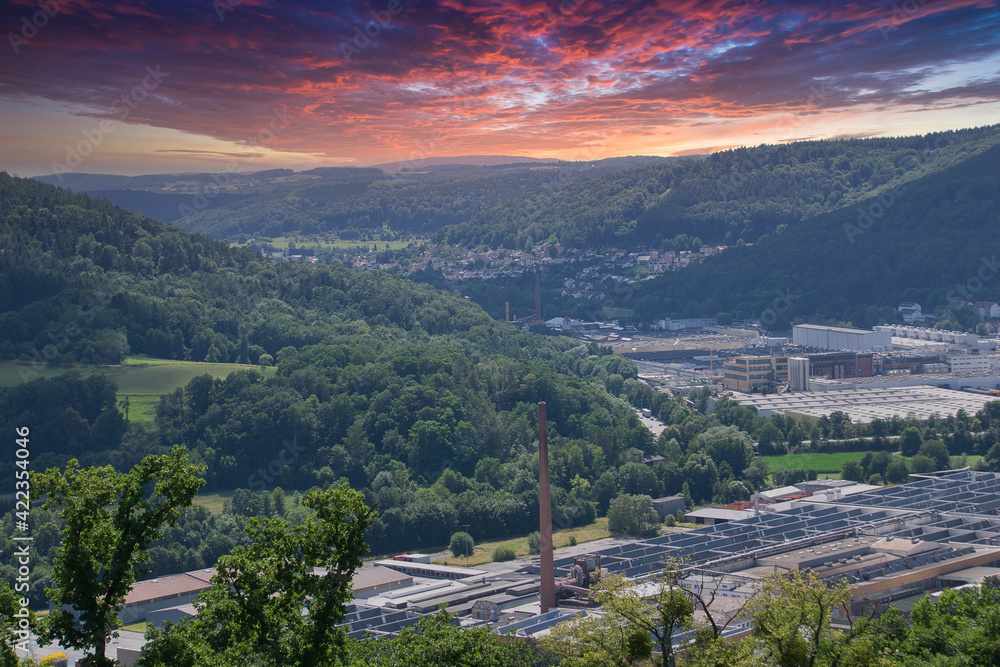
{"x": 864, "y": 405}
{"x": 822, "y": 327}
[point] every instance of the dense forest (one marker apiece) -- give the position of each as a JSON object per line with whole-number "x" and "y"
{"x": 740, "y": 194}
{"x": 84, "y": 280}
{"x": 343, "y": 201}
{"x": 931, "y": 240}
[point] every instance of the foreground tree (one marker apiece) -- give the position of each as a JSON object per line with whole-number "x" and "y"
{"x": 435, "y": 641}
{"x": 9, "y": 608}
{"x": 267, "y": 606}
{"x": 962, "y": 627}
{"x": 599, "y": 641}
{"x": 791, "y": 614}
{"x": 711, "y": 650}
{"x": 110, "y": 520}
{"x": 636, "y": 615}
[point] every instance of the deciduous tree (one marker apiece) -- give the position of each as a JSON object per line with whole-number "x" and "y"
{"x": 790, "y": 616}
{"x": 267, "y": 605}
{"x": 110, "y": 520}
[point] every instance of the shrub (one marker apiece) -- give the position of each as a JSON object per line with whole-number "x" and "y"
{"x": 534, "y": 543}
{"x": 572, "y": 540}
{"x": 462, "y": 544}
{"x": 503, "y": 552}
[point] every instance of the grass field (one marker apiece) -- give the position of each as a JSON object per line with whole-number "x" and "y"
{"x": 213, "y": 501}
{"x": 483, "y": 553}
{"x": 141, "y": 408}
{"x": 820, "y": 462}
{"x": 829, "y": 464}
{"x": 142, "y": 379}
{"x": 149, "y": 377}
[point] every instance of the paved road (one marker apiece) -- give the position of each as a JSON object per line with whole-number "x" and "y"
{"x": 654, "y": 425}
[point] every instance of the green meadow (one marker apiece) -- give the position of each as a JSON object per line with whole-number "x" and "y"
{"x": 830, "y": 462}
{"x": 142, "y": 379}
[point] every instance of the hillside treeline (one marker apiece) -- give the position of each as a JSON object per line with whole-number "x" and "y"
{"x": 740, "y": 194}
{"x": 932, "y": 241}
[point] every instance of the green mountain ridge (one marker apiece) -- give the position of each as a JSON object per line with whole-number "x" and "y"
{"x": 412, "y": 198}
{"x": 931, "y": 239}
{"x": 741, "y": 194}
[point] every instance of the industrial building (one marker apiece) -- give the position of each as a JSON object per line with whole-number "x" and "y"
{"x": 759, "y": 373}
{"x": 968, "y": 363}
{"x": 865, "y": 404}
{"x": 689, "y": 323}
{"x": 891, "y": 544}
{"x": 164, "y": 592}
{"x": 961, "y": 338}
{"x": 842, "y": 365}
{"x": 901, "y": 364}
{"x": 841, "y": 338}
{"x": 668, "y": 505}
{"x": 749, "y": 374}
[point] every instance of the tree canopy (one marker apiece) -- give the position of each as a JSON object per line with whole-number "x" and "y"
{"x": 111, "y": 518}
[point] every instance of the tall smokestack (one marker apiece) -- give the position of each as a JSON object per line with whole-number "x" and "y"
{"x": 538, "y": 298}
{"x": 548, "y": 574}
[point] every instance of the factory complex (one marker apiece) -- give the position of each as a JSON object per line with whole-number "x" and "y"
{"x": 863, "y": 404}
{"x": 892, "y": 545}
{"x": 893, "y": 371}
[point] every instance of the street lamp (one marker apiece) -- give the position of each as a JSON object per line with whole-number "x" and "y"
{"x": 466, "y": 526}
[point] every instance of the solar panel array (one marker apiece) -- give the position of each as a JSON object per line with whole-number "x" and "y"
{"x": 361, "y": 621}
{"x": 958, "y": 507}
{"x": 906, "y": 563}
{"x": 966, "y": 492}
{"x": 956, "y": 510}
{"x": 535, "y": 624}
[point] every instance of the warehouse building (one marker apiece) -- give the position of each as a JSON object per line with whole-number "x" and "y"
{"x": 841, "y": 338}
{"x": 961, "y": 338}
{"x": 865, "y": 404}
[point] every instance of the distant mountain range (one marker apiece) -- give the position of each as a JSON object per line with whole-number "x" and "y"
{"x": 80, "y": 182}
{"x": 477, "y": 160}
{"x": 854, "y": 225}
{"x": 418, "y": 197}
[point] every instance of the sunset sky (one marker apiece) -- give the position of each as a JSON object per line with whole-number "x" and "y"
{"x": 182, "y": 85}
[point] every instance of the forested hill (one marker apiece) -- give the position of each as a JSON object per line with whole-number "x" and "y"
{"x": 84, "y": 280}
{"x": 742, "y": 194}
{"x": 342, "y": 201}
{"x": 390, "y": 385}
{"x": 662, "y": 203}
{"x": 931, "y": 240}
